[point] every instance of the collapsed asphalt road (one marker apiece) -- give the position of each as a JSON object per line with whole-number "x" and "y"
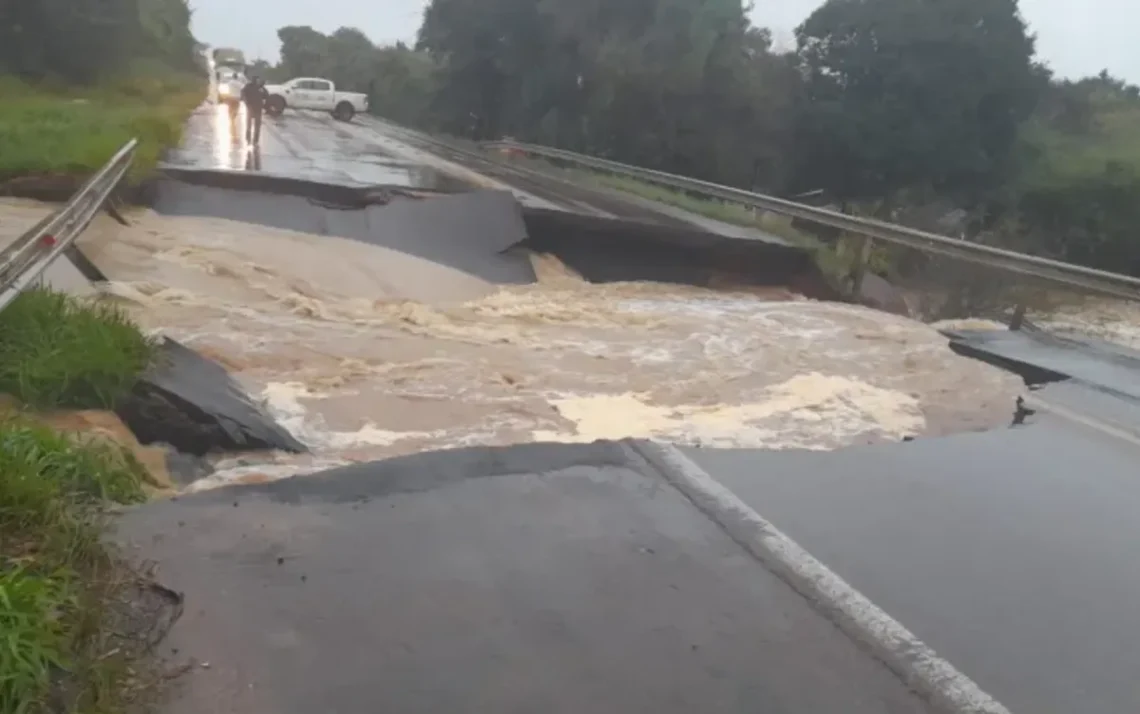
{"x": 514, "y": 570}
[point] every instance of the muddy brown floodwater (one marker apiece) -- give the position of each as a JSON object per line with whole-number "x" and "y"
{"x": 320, "y": 330}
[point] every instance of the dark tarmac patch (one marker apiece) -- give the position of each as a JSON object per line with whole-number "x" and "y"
{"x": 192, "y": 404}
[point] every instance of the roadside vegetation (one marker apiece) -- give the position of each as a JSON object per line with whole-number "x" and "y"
{"x": 64, "y": 597}
{"x": 78, "y": 81}
{"x": 50, "y": 131}
{"x": 724, "y": 211}
{"x": 58, "y": 582}
{"x": 59, "y": 353}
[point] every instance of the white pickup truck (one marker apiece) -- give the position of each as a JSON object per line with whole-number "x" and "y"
{"x": 314, "y": 93}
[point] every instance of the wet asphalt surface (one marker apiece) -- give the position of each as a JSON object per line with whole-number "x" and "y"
{"x": 1012, "y": 553}
{"x": 541, "y": 578}
{"x": 519, "y": 578}
{"x": 307, "y": 146}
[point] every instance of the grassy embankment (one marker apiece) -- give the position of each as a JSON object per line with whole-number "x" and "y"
{"x": 62, "y": 591}
{"x": 64, "y": 613}
{"x": 58, "y": 132}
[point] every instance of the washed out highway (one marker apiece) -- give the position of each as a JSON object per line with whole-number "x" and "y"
{"x": 468, "y": 352}
{"x": 366, "y": 350}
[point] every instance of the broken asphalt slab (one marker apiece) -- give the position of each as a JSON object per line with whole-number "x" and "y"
{"x": 474, "y": 232}
{"x": 554, "y": 578}
{"x": 603, "y": 235}
{"x": 1084, "y": 380}
{"x": 602, "y": 250}
{"x": 191, "y": 403}
{"x": 1043, "y": 357}
{"x": 466, "y": 232}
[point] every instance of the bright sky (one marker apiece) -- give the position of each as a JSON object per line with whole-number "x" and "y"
{"x": 1076, "y": 37}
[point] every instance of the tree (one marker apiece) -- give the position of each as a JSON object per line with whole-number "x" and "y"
{"x": 682, "y": 85}
{"x": 84, "y": 42}
{"x": 482, "y": 47}
{"x": 304, "y": 52}
{"x": 913, "y": 94}
{"x": 404, "y": 86}
{"x": 1074, "y": 198}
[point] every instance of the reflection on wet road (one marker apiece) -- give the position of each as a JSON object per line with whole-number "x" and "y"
{"x": 315, "y": 147}
{"x": 308, "y": 146}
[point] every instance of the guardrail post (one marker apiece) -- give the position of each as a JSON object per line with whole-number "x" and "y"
{"x": 111, "y": 206}
{"x": 859, "y": 269}
{"x": 1018, "y": 319}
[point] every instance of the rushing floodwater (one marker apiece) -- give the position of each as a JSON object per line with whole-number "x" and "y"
{"x": 318, "y": 329}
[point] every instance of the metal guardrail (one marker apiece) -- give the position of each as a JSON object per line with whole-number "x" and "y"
{"x": 25, "y": 260}
{"x": 1054, "y": 271}
{"x": 465, "y": 150}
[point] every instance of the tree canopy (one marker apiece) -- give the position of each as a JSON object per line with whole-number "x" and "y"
{"x": 677, "y": 84}
{"x": 899, "y": 93}
{"x": 82, "y": 42}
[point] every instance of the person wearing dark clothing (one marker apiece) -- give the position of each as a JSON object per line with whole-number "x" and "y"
{"x": 254, "y": 95}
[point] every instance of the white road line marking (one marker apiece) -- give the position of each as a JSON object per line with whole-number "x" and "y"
{"x": 918, "y": 665}
{"x": 1079, "y": 418}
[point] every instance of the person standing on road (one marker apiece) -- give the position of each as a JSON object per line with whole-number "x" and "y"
{"x": 254, "y": 95}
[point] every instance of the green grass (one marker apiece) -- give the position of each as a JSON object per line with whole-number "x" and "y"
{"x": 60, "y": 352}
{"x": 58, "y": 582}
{"x": 48, "y": 131}
{"x": 56, "y": 577}
{"x": 734, "y": 213}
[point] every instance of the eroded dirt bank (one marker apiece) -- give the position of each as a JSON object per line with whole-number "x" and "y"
{"x": 313, "y": 325}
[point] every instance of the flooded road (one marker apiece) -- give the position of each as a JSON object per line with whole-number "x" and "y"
{"x": 358, "y": 373}
{"x": 364, "y": 351}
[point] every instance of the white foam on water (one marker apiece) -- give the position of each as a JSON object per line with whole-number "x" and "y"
{"x": 791, "y": 411}
{"x": 284, "y": 403}
{"x": 1114, "y": 321}
{"x": 969, "y": 324}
